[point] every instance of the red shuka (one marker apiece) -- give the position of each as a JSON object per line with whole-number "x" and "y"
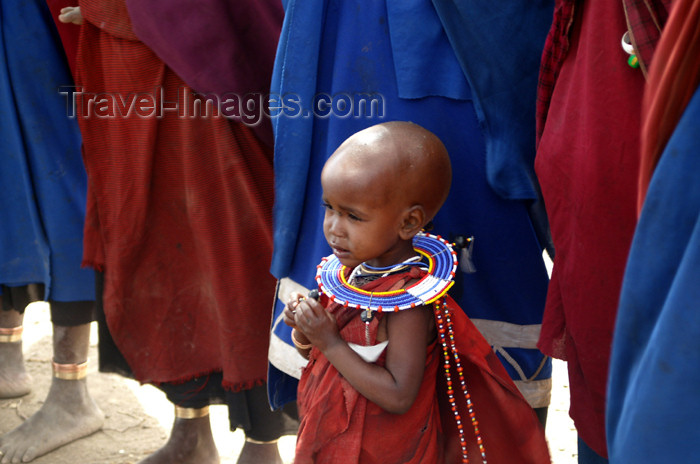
{"x": 340, "y": 426}
{"x": 178, "y": 217}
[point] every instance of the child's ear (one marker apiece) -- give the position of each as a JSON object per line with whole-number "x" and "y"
{"x": 413, "y": 221}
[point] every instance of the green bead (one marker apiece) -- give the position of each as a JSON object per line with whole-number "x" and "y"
{"x": 633, "y": 61}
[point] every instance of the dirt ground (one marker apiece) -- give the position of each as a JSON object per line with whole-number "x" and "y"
{"x": 138, "y": 418}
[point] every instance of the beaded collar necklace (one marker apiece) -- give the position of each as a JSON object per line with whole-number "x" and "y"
{"x": 441, "y": 262}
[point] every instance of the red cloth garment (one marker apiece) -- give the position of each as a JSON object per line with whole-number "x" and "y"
{"x": 587, "y": 162}
{"x": 671, "y": 85}
{"x": 179, "y": 214}
{"x": 339, "y": 425}
{"x": 645, "y": 20}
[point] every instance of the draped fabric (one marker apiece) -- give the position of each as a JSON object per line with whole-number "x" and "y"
{"x": 395, "y": 60}
{"x": 178, "y": 214}
{"x": 644, "y": 21}
{"x": 653, "y": 403}
{"x": 589, "y": 106}
{"x": 339, "y": 425}
{"x": 226, "y": 49}
{"x": 671, "y": 87}
{"x": 41, "y": 173}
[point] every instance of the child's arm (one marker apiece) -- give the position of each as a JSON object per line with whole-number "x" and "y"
{"x": 394, "y": 387}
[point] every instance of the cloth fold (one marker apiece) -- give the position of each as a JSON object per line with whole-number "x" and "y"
{"x": 179, "y": 215}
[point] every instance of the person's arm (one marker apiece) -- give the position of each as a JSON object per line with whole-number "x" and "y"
{"x": 394, "y": 387}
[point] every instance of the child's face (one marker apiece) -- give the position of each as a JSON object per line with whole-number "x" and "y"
{"x": 361, "y": 224}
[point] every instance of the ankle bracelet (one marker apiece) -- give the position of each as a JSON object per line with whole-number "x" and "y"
{"x": 70, "y": 371}
{"x": 11, "y": 335}
{"x": 191, "y": 413}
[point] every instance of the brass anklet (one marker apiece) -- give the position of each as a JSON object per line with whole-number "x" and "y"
{"x": 258, "y": 442}
{"x": 11, "y": 335}
{"x": 191, "y": 413}
{"x": 70, "y": 371}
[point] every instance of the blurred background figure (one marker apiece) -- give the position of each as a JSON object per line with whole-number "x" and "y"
{"x": 588, "y": 122}
{"x": 178, "y": 221}
{"x": 42, "y": 210}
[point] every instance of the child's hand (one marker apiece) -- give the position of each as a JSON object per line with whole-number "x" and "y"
{"x": 317, "y": 324}
{"x": 292, "y": 302}
{"x": 71, "y": 14}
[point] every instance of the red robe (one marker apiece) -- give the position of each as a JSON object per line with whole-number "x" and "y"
{"x": 178, "y": 217}
{"x": 587, "y": 163}
{"x": 340, "y": 426}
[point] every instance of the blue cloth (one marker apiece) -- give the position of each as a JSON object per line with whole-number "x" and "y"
{"x": 498, "y": 41}
{"x": 653, "y": 402}
{"x": 43, "y": 180}
{"x": 398, "y": 54}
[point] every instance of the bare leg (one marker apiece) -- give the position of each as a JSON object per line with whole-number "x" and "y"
{"x": 191, "y": 442}
{"x": 255, "y": 452}
{"x": 68, "y": 413}
{"x": 14, "y": 379}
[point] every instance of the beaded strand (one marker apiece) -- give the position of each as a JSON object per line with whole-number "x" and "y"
{"x": 445, "y": 330}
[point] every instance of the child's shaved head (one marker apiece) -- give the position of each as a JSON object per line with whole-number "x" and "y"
{"x": 400, "y": 161}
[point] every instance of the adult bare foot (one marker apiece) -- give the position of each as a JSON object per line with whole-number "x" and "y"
{"x": 14, "y": 379}
{"x": 69, "y": 413}
{"x": 190, "y": 442}
{"x": 259, "y": 453}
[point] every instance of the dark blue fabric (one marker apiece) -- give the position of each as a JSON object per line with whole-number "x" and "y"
{"x": 495, "y": 44}
{"x": 43, "y": 180}
{"x": 653, "y": 402}
{"x": 355, "y": 48}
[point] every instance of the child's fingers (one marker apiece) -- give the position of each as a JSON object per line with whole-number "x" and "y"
{"x": 288, "y": 316}
{"x": 294, "y": 297}
{"x": 316, "y": 308}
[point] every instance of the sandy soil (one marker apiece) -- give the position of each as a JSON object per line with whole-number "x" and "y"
{"x": 138, "y": 418}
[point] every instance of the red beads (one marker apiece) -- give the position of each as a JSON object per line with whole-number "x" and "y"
{"x": 445, "y": 331}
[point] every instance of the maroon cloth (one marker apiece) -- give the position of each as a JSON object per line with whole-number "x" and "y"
{"x": 645, "y": 20}
{"x": 672, "y": 83}
{"x": 587, "y": 162}
{"x": 226, "y": 47}
{"x": 339, "y": 425}
{"x": 179, "y": 215}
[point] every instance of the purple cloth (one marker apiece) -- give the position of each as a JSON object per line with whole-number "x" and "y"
{"x": 216, "y": 46}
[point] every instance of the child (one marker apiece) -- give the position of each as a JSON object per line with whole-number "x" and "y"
{"x": 370, "y": 392}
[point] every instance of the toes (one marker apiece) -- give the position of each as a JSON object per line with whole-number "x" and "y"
{"x": 29, "y": 455}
